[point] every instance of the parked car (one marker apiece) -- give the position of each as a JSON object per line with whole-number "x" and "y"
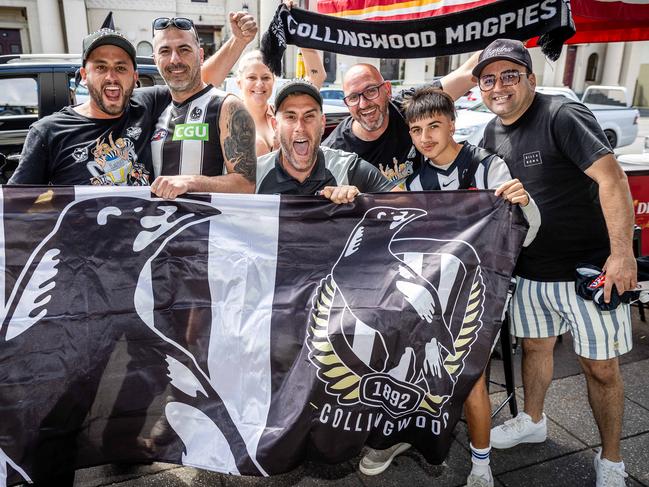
{"x": 333, "y": 96}
{"x": 618, "y": 120}
{"x": 470, "y": 99}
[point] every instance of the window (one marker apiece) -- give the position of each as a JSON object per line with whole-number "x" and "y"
{"x": 144, "y": 48}
{"x": 18, "y": 96}
{"x": 591, "y": 67}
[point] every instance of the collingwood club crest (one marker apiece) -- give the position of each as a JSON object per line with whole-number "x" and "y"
{"x": 393, "y": 322}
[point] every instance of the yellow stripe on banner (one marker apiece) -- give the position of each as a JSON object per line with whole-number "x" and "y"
{"x": 393, "y": 7}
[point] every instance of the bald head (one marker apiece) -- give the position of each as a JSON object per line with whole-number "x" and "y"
{"x": 361, "y": 72}
{"x": 367, "y": 96}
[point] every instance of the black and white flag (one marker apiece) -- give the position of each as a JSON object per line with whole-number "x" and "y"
{"x": 241, "y": 333}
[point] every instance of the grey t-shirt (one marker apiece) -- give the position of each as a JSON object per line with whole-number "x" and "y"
{"x": 332, "y": 168}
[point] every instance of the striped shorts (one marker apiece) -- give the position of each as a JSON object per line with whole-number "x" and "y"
{"x": 548, "y": 309}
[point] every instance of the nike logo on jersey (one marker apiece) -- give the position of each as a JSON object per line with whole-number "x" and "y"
{"x": 178, "y": 117}
{"x": 446, "y": 185}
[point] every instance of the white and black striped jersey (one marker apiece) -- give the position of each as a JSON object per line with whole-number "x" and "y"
{"x": 186, "y": 139}
{"x": 472, "y": 168}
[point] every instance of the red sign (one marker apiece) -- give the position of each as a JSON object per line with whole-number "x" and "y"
{"x": 639, "y": 184}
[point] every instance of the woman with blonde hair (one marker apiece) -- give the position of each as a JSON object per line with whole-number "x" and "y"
{"x": 256, "y": 81}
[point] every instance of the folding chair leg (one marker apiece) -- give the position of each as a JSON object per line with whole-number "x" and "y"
{"x": 641, "y": 309}
{"x": 508, "y": 366}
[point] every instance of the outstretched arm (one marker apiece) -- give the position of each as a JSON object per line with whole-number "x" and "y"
{"x": 217, "y": 67}
{"x": 315, "y": 71}
{"x": 458, "y": 82}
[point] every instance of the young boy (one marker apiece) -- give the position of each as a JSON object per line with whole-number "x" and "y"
{"x": 447, "y": 165}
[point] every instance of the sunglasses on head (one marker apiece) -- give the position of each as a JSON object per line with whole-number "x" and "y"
{"x": 181, "y": 23}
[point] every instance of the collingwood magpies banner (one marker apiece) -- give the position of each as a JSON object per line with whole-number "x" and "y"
{"x": 241, "y": 333}
{"x": 470, "y": 26}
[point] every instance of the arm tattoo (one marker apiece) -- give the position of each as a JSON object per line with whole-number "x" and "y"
{"x": 239, "y": 145}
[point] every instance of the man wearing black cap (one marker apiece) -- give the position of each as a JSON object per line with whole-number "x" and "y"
{"x": 556, "y": 148}
{"x": 104, "y": 141}
{"x": 301, "y": 165}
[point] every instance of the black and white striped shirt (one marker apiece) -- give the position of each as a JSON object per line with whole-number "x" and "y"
{"x": 186, "y": 139}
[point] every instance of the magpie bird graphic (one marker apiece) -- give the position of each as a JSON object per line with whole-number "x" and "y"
{"x": 383, "y": 292}
{"x": 71, "y": 302}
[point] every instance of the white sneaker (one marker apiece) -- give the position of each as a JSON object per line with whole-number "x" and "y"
{"x": 607, "y": 475}
{"x": 479, "y": 481}
{"x": 376, "y": 461}
{"x": 520, "y": 429}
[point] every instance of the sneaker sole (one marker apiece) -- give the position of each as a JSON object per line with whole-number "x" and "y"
{"x": 384, "y": 466}
{"x": 530, "y": 439}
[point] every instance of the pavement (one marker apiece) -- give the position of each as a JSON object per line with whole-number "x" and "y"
{"x": 565, "y": 459}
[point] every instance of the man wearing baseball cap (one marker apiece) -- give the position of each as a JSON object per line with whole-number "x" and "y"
{"x": 556, "y": 148}
{"x": 301, "y": 165}
{"x": 106, "y": 140}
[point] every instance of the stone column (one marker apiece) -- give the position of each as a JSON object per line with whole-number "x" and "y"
{"x": 50, "y": 26}
{"x": 613, "y": 63}
{"x": 76, "y": 23}
{"x": 415, "y": 73}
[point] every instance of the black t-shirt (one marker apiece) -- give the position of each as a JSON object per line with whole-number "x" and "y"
{"x": 69, "y": 148}
{"x": 548, "y": 148}
{"x": 394, "y": 143}
{"x": 332, "y": 168}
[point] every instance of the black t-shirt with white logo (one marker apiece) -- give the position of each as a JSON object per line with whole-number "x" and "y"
{"x": 186, "y": 139}
{"x": 394, "y": 143}
{"x": 548, "y": 148}
{"x": 332, "y": 168}
{"x": 69, "y": 148}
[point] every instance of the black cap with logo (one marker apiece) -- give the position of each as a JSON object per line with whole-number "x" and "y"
{"x": 297, "y": 87}
{"x": 506, "y": 50}
{"x": 107, "y": 37}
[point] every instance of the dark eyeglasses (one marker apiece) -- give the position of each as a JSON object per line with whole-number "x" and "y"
{"x": 507, "y": 78}
{"x": 368, "y": 93}
{"x": 181, "y": 23}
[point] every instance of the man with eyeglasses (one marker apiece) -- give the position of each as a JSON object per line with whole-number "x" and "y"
{"x": 376, "y": 129}
{"x": 556, "y": 148}
{"x": 204, "y": 140}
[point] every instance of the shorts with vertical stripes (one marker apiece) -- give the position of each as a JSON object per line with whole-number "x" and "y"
{"x": 548, "y": 309}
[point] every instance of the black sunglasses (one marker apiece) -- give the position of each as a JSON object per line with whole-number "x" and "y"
{"x": 181, "y": 23}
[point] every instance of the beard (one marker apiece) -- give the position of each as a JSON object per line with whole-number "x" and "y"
{"x": 190, "y": 80}
{"x": 288, "y": 153}
{"x": 96, "y": 94}
{"x": 371, "y": 126}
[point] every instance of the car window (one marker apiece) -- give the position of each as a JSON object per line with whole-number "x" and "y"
{"x": 605, "y": 96}
{"x": 78, "y": 93}
{"x": 18, "y": 96}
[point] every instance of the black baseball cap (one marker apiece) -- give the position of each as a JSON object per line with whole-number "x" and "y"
{"x": 107, "y": 37}
{"x": 503, "y": 49}
{"x": 297, "y": 87}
